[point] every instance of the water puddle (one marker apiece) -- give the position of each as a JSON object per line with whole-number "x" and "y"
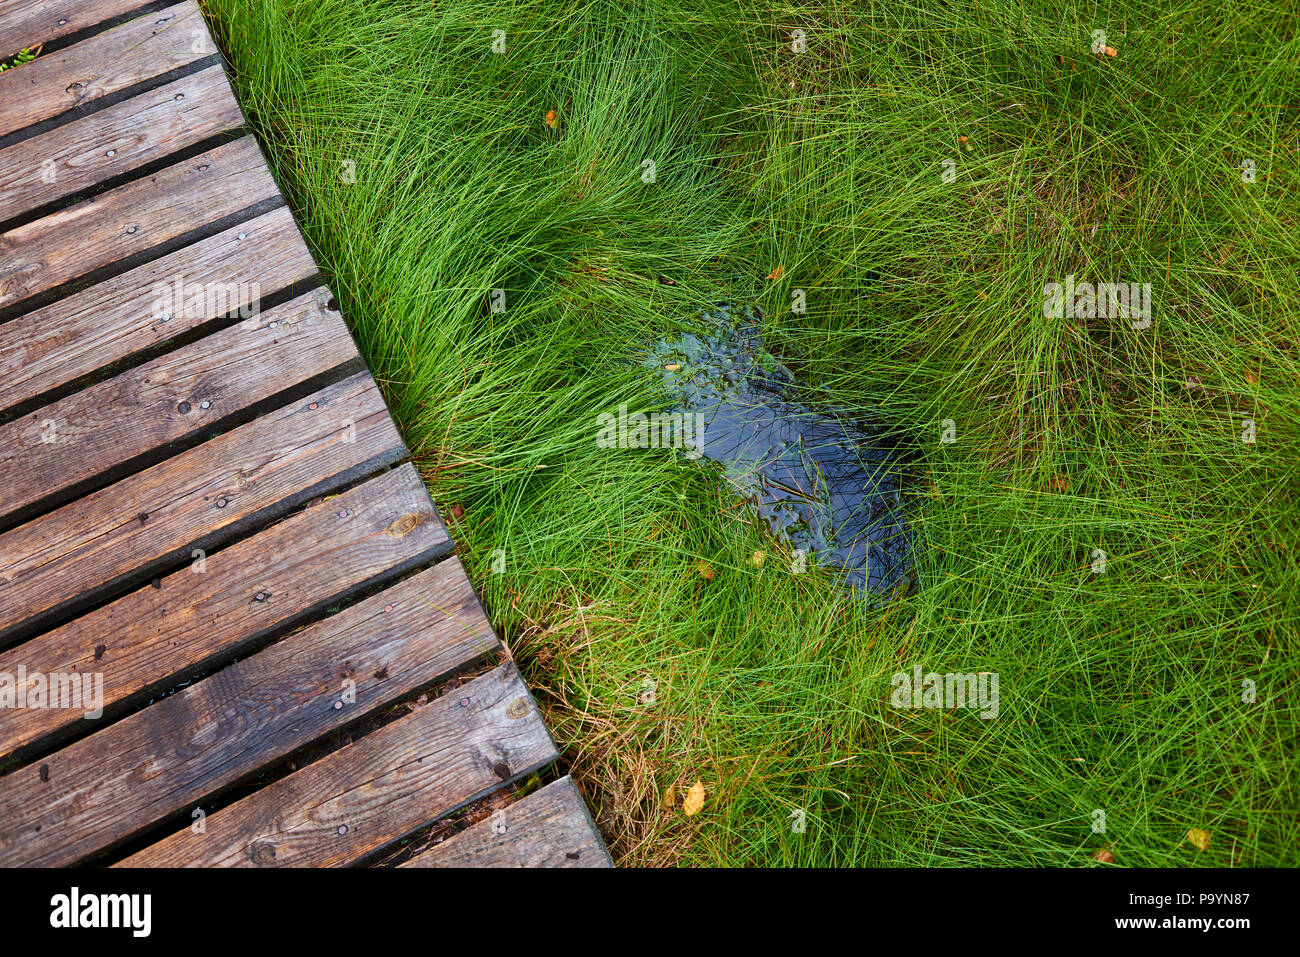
{"x": 827, "y": 486}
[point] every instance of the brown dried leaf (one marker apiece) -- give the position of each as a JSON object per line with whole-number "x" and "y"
{"x": 694, "y": 799}
{"x": 776, "y": 273}
{"x": 551, "y": 119}
{"x": 705, "y": 570}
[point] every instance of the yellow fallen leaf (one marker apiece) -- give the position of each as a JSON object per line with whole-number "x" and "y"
{"x": 758, "y": 558}
{"x": 670, "y": 798}
{"x": 1199, "y": 837}
{"x": 1111, "y": 51}
{"x": 672, "y": 366}
{"x": 551, "y": 119}
{"x": 776, "y": 273}
{"x": 705, "y": 570}
{"x": 694, "y": 799}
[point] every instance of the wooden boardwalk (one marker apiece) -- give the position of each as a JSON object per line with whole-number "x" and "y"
{"x": 232, "y": 627}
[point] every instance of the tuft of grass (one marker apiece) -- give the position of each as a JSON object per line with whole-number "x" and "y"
{"x": 919, "y": 172}
{"x": 25, "y": 55}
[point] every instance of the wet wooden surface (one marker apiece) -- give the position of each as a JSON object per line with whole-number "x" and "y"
{"x": 233, "y": 630}
{"x": 547, "y": 828}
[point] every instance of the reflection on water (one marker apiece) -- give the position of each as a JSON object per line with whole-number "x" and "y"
{"x": 822, "y": 483}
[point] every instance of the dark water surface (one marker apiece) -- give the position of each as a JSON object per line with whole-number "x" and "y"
{"x": 821, "y": 482}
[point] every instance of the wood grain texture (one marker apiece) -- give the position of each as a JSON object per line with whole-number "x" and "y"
{"x": 61, "y": 446}
{"x": 222, "y": 426}
{"x": 195, "y": 500}
{"x": 360, "y": 798}
{"x": 132, "y": 219}
{"x": 144, "y": 129}
{"x": 162, "y": 760}
{"x": 116, "y": 320}
{"x": 182, "y": 624}
{"x": 109, "y": 62}
{"x": 548, "y": 828}
{"x": 25, "y": 23}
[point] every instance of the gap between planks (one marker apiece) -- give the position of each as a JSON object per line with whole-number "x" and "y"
{"x": 351, "y": 804}
{"x": 93, "y": 794}
{"x": 125, "y": 76}
{"x": 116, "y": 61}
{"x": 185, "y": 506}
{"x": 188, "y": 622}
{"x": 238, "y": 270}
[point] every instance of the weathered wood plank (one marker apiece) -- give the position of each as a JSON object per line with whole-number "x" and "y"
{"x": 147, "y": 640}
{"x": 115, "y": 320}
{"x": 198, "y": 499}
{"x": 109, "y": 106}
{"x": 142, "y": 130}
{"x": 548, "y": 828}
{"x": 109, "y": 62}
{"x": 132, "y": 219}
{"x": 354, "y": 801}
{"x": 25, "y": 23}
{"x": 105, "y": 788}
{"x": 96, "y": 434}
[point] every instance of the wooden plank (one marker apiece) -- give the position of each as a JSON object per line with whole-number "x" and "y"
{"x": 132, "y": 219}
{"x": 25, "y": 23}
{"x": 96, "y": 435}
{"x": 63, "y": 560}
{"x": 356, "y": 800}
{"x": 180, "y": 625}
{"x": 117, "y": 320}
{"x": 107, "y": 63}
{"x": 144, "y": 129}
{"x": 548, "y": 828}
{"x": 159, "y": 761}
{"x": 202, "y": 443}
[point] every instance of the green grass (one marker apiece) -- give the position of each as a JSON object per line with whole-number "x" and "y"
{"x": 1121, "y": 691}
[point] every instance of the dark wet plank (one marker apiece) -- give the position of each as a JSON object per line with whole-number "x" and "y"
{"x": 162, "y": 760}
{"x": 548, "y": 828}
{"x": 354, "y": 801}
